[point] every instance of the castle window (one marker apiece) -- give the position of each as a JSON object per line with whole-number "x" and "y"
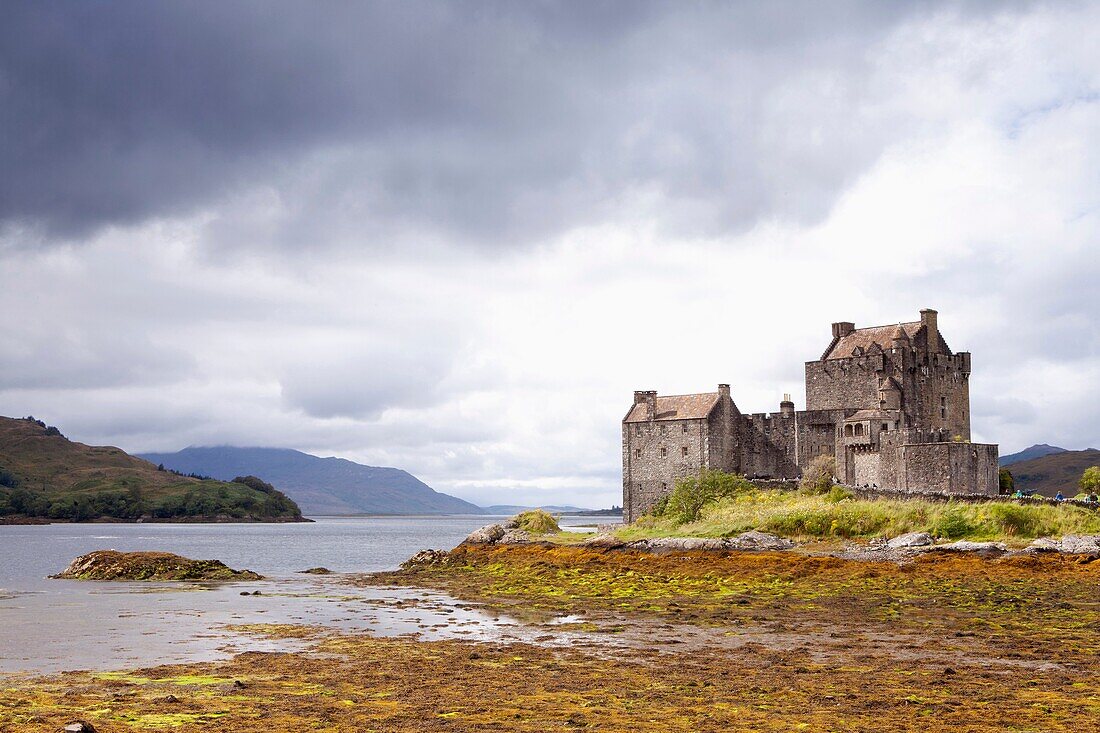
{"x": 637, "y": 429}
{"x": 885, "y": 427}
{"x": 943, "y": 407}
{"x": 684, "y": 452}
{"x": 859, "y": 428}
{"x": 664, "y": 486}
{"x": 664, "y": 452}
{"x": 637, "y": 452}
{"x": 848, "y": 431}
{"x": 685, "y": 428}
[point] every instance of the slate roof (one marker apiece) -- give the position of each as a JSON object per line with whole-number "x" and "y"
{"x": 864, "y": 338}
{"x": 677, "y": 407}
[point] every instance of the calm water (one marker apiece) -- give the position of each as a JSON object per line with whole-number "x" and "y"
{"x": 49, "y": 625}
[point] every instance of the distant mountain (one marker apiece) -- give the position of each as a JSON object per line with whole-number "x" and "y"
{"x": 1035, "y": 451}
{"x": 320, "y": 485}
{"x": 511, "y": 509}
{"x": 43, "y": 474}
{"x": 1054, "y": 472}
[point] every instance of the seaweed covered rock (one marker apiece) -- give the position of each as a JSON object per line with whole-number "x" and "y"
{"x": 115, "y": 565}
{"x": 426, "y": 559}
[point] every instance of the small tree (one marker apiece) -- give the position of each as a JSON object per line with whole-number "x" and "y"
{"x": 692, "y": 493}
{"x": 1007, "y": 483}
{"x": 818, "y": 476}
{"x": 1090, "y": 479}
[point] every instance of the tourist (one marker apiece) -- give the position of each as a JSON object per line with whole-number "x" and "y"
{"x": 1059, "y": 497}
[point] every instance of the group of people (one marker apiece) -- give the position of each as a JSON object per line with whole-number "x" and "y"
{"x": 1091, "y": 499}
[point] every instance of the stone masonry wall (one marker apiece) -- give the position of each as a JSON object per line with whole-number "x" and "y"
{"x": 837, "y": 384}
{"x": 655, "y": 454}
{"x": 951, "y": 468}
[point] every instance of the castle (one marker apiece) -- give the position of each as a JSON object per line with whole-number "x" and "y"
{"x": 890, "y": 403}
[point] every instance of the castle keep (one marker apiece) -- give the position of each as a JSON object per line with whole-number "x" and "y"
{"x": 890, "y": 403}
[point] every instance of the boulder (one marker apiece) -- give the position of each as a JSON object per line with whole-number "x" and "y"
{"x": 1044, "y": 544}
{"x": 80, "y": 726}
{"x": 486, "y": 535}
{"x": 1081, "y": 544}
{"x": 754, "y": 540}
{"x": 316, "y": 571}
{"x": 604, "y": 540}
{"x": 912, "y": 539}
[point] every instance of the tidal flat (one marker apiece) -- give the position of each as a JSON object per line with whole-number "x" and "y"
{"x": 629, "y": 641}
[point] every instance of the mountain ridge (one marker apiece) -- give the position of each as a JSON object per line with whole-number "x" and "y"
{"x": 1035, "y": 451}
{"x": 321, "y": 485}
{"x": 1054, "y": 472}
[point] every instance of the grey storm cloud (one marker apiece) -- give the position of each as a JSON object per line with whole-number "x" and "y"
{"x": 485, "y": 122}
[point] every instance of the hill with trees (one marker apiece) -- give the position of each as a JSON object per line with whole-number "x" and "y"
{"x": 44, "y": 475}
{"x": 1049, "y": 474}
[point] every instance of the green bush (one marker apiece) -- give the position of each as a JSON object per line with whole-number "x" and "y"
{"x": 692, "y": 493}
{"x": 537, "y": 521}
{"x": 953, "y": 523}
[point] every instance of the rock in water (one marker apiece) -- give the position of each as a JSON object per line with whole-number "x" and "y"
{"x": 316, "y": 571}
{"x": 115, "y": 565}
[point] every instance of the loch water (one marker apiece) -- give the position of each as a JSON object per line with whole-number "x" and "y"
{"x": 51, "y": 625}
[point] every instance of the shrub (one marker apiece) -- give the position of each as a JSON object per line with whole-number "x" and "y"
{"x": 1006, "y": 482}
{"x": 537, "y": 521}
{"x": 838, "y": 494}
{"x": 692, "y": 493}
{"x": 818, "y": 476}
{"x": 953, "y": 523}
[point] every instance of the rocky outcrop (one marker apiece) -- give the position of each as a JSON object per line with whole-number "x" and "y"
{"x": 981, "y": 548}
{"x": 759, "y": 541}
{"x": 114, "y": 565}
{"x": 1072, "y": 544}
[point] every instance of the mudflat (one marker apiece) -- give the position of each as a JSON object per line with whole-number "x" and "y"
{"x": 679, "y": 641}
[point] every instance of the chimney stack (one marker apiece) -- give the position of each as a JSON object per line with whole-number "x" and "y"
{"x": 723, "y": 390}
{"x": 842, "y": 329}
{"x": 929, "y": 320}
{"x": 786, "y": 407}
{"x": 651, "y": 404}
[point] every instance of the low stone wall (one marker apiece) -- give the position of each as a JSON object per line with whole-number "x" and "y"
{"x": 881, "y": 493}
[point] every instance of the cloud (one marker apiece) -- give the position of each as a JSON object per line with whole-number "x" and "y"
{"x": 456, "y": 240}
{"x": 384, "y": 124}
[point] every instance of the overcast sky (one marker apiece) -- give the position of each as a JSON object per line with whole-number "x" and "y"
{"x": 455, "y": 237}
